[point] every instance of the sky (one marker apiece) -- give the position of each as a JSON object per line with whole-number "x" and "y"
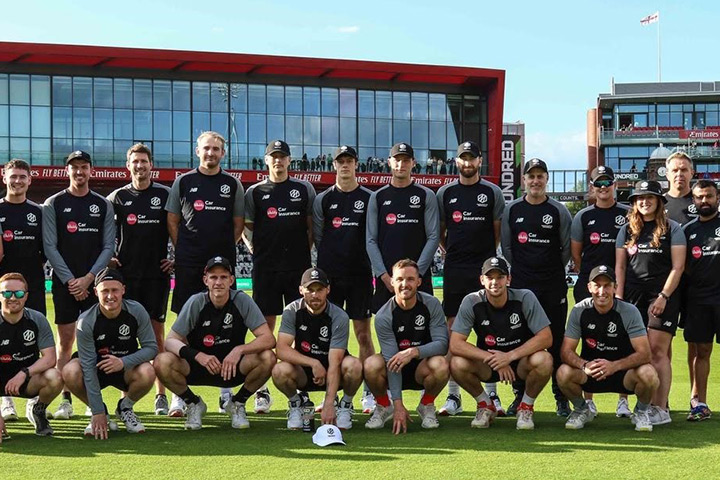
{"x": 558, "y": 56}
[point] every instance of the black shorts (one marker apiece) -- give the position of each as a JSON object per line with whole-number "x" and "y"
{"x": 382, "y": 294}
{"x": 36, "y": 300}
{"x": 613, "y": 383}
{"x": 200, "y": 376}
{"x": 188, "y": 282}
{"x": 310, "y": 385}
{"x": 355, "y": 293}
{"x": 668, "y": 321}
{"x": 457, "y": 284}
{"x": 702, "y": 323}
{"x": 273, "y": 290}
{"x": 115, "y": 379}
{"x": 23, "y": 388}
{"x": 495, "y": 376}
{"x": 580, "y": 290}
{"x": 409, "y": 382}
{"x": 151, "y": 293}
{"x": 67, "y": 309}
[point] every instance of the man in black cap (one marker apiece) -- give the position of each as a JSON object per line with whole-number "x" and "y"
{"x": 279, "y": 233}
{"x": 206, "y": 346}
{"x": 402, "y": 222}
{"x": 339, "y": 217}
{"x": 79, "y": 241}
{"x": 312, "y": 346}
{"x": 536, "y": 241}
{"x": 512, "y": 335}
{"x": 615, "y": 355}
{"x": 470, "y": 212}
{"x": 108, "y": 355}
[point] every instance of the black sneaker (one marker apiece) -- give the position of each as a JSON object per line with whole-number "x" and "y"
{"x": 562, "y": 408}
{"x": 513, "y": 407}
{"x": 39, "y": 420}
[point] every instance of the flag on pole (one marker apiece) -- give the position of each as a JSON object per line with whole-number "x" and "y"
{"x": 652, "y": 18}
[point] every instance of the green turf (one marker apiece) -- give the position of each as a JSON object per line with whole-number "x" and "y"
{"x": 606, "y": 448}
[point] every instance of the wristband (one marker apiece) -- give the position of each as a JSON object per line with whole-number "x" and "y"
{"x": 188, "y": 353}
{"x": 661, "y": 294}
{"x": 26, "y": 371}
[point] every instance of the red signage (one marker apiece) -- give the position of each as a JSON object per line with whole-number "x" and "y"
{"x": 700, "y": 134}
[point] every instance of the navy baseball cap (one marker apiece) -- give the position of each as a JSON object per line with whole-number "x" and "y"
{"x": 402, "y": 148}
{"x": 469, "y": 147}
{"x": 345, "y": 150}
{"x": 78, "y": 155}
{"x": 602, "y": 271}
{"x": 535, "y": 163}
{"x": 219, "y": 262}
{"x": 495, "y": 263}
{"x": 107, "y": 274}
{"x": 277, "y": 146}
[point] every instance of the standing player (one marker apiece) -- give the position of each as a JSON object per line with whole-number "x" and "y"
{"x": 470, "y": 212}
{"x": 142, "y": 246}
{"x": 339, "y": 217}
{"x": 108, "y": 355}
{"x": 205, "y": 219}
{"x": 413, "y": 339}
{"x": 702, "y": 314}
{"x": 593, "y": 233}
{"x": 312, "y": 347}
{"x": 278, "y": 217}
{"x": 536, "y": 242}
{"x": 21, "y": 221}
{"x": 206, "y": 346}
{"x": 79, "y": 241}
{"x": 402, "y": 222}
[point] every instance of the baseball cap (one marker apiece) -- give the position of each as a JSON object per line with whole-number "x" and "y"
{"x": 495, "y": 263}
{"x": 647, "y": 187}
{"x": 600, "y": 271}
{"x": 107, "y": 274}
{"x": 277, "y": 146}
{"x": 602, "y": 171}
{"x": 469, "y": 147}
{"x": 219, "y": 262}
{"x": 328, "y": 435}
{"x": 78, "y": 155}
{"x": 402, "y": 148}
{"x": 345, "y": 150}
{"x": 314, "y": 275}
{"x": 535, "y": 163}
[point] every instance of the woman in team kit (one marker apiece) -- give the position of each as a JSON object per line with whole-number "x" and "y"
{"x": 650, "y": 258}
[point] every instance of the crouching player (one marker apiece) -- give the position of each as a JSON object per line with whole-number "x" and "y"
{"x": 512, "y": 335}
{"x": 319, "y": 360}
{"x": 108, "y": 355}
{"x": 413, "y": 339}
{"x": 206, "y": 346}
{"x": 615, "y": 354}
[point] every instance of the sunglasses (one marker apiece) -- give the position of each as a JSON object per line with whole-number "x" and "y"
{"x": 10, "y": 293}
{"x": 603, "y": 183}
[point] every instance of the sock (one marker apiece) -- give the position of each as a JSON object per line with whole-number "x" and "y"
{"x": 366, "y": 389}
{"x": 528, "y": 400}
{"x": 453, "y": 388}
{"x": 383, "y": 401}
{"x": 491, "y": 388}
{"x": 263, "y": 389}
{"x": 295, "y": 398}
{"x": 160, "y": 395}
{"x": 483, "y": 398}
{"x": 579, "y": 403}
{"x": 67, "y": 396}
{"x": 346, "y": 399}
{"x": 242, "y": 395}
{"x": 641, "y": 407}
{"x": 126, "y": 404}
{"x": 427, "y": 399}
{"x": 189, "y": 397}
{"x": 225, "y": 391}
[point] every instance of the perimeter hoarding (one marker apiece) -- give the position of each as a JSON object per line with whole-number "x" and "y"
{"x": 510, "y": 168}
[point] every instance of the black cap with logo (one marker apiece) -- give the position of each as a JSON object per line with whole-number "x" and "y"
{"x": 107, "y": 274}
{"x": 535, "y": 163}
{"x": 602, "y": 271}
{"x": 219, "y": 262}
{"x": 277, "y": 146}
{"x": 647, "y": 187}
{"x": 345, "y": 150}
{"x": 602, "y": 171}
{"x": 402, "y": 148}
{"x": 469, "y": 147}
{"x": 495, "y": 263}
{"x": 79, "y": 155}
{"x": 314, "y": 275}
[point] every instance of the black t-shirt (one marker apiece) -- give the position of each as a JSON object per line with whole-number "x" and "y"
{"x": 703, "y": 261}
{"x": 315, "y": 335}
{"x": 597, "y": 229}
{"x": 141, "y": 225}
{"x": 680, "y": 209}
{"x": 21, "y": 343}
{"x": 22, "y": 241}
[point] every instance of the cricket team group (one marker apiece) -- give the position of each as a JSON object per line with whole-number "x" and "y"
{"x": 642, "y": 272}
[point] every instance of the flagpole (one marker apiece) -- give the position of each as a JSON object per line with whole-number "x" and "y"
{"x": 659, "y": 61}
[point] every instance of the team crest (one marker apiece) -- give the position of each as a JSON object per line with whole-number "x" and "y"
{"x": 94, "y": 208}
{"x": 414, "y": 200}
{"x": 28, "y": 335}
{"x": 31, "y": 218}
{"x": 294, "y": 193}
{"x": 420, "y": 320}
{"x": 547, "y": 219}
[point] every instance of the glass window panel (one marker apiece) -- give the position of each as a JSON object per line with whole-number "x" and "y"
{"x": 62, "y": 91}
{"x": 103, "y": 122}
{"x": 19, "y": 121}
{"x": 162, "y": 95}
{"x": 62, "y": 122}
{"x": 201, "y": 96}
{"x": 238, "y": 93}
{"x": 181, "y": 126}
{"x": 219, "y": 97}
{"x": 3, "y": 89}
{"x": 40, "y": 151}
{"x": 471, "y": 132}
{"x": 4, "y": 121}
{"x": 383, "y": 104}
{"x": 330, "y": 102}
{"x": 383, "y": 133}
{"x": 122, "y": 88}
{"x": 183, "y": 150}
{"x": 61, "y": 148}
{"x": 367, "y": 152}
{"x": 712, "y": 119}
{"x": 239, "y": 128}
{"x": 293, "y": 129}
{"x": 293, "y": 100}
{"x": 40, "y": 121}
{"x": 366, "y": 132}
{"x": 330, "y": 130}
{"x": 437, "y": 135}
{"x": 103, "y": 154}
{"x": 311, "y": 151}
{"x": 699, "y": 107}
{"x": 348, "y": 103}
{"x": 311, "y": 131}
{"x": 438, "y": 106}
{"x": 143, "y": 125}
{"x": 419, "y": 103}
{"x": 421, "y": 155}
{"x": 401, "y": 106}
{"x": 275, "y": 100}
{"x": 20, "y": 89}
{"x": 256, "y": 128}
{"x": 454, "y": 108}
{"x": 19, "y": 147}
{"x": 201, "y": 123}
{"x": 219, "y": 123}
{"x": 311, "y": 101}
{"x": 239, "y": 157}
{"x": 142, "y": 94}
{"x": 162, "y": 154}
{"x": 102, "y": 92}
{"x": 82, "y": 123}
{"x": 419, "y": 134}
{"x": 162, "y": 125}
{"x": 257, "y": 150}
{"x": 676, "y": 108}
{"x": 275, "y": 126}
{"x": 401, "y": 131}
{"x": 348, "y": 131}
{"x": 40, "y": 90}
{"x": 471, "y": 109}
{"x": 663, "y": 119}
{"x": 256, "y": 99}
{"x": 82, "y": 92}
{"x": 453, "y": 135}
{"x": 181, "y": 95}
{"x": 676, "y": 119}
{"x": 366, "y": 104}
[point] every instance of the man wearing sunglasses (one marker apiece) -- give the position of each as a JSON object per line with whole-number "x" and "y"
{"x": 27, "y": 353}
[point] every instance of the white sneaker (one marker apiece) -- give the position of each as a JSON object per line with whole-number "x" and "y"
{"x": 453, "y": 406}
{"x": 263, "y": 401}
{"x": 131, "y": 421}
{"x": 225, "y": 397}
{"x": 592, "y": 407}
{"x": 642, "y": 421}
{"x": 525, "y": 417}
{"x": 483, "y": 418}
{"x": 623, "y": 408}
{"x": 344, "y": 415}
{"x": 578, "y": 418}
{"x": 7, "y": 409}
{"x": 658, "y": 416}
{"x": 64, "y": 411}
{"x": 112, "y": 426}
{"x": 195, "y": 412}
{"x": 177, "y": 407}
{"x": 427, "y": 414}
{"x": 294, "y": 415}
{"x": 161, "y": 404}
{"x": 238, "y": 417}
{"x": 379, "y": 417}
{"x": 368, "y": 402}
{"x": 88, "y": 411}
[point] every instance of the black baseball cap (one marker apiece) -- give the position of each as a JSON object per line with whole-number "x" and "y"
{"x": 602, "y": 271}
{"x": 107, "y": 274}
{"x": 495, "y": 263}
{"x": 345, "y": 150}
{"x": 602, "y": 171}
{"x": 314, "y": 275}
{"x": 469, "y": 147}
{"x": 647, "y": 187}
{"x": 78, "y": 155}
{"x": 277, "y": 146}
{"x": 219, "y": 262}
{"x": 402, "y": 148}
{"x": 535, "y": 163}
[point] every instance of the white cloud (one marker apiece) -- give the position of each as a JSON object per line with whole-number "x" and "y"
{"x": 561, "y": 151}
{"x": 347, "y": 29}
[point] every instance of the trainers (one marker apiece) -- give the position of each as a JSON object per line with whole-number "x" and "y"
{"x": 699, "y": 413}
{"x": 623, "y": 408}
{"x": 453, "y": 406}
{"x": 64, "y": 411}
{"x": 427, "y": 414}
{"x": 562, "y": 408}
{"x": 88, "y": 411}
{"x": 484, "y": 416}
{"x": 659, "y": 416}
{"x": 224, "y": 398}
{"x": 500, "y": 411}
{"x": 7, "y": 410}
{"x": 112, "y": 426}
{"x": 642, "y": 421}
{"x": 319, "y": 408}
{"x": 578, "y": 418}
{"x": 238, "y": 416}
{"x": 525, "y": 414}
{"x": 592, "y": 407}
{"x": 294, "y": 415}
{"x": 513, "y": 408}
{"x": 368, "y": 402}
{"x": 379, "y": 417}
{"x": 344, "y": 415}
{"x": 177, "y": 407}
{"x": 161, "y": 404}
{"x": 35, "y": 411}
{"x": 195, "y": 412}
{"x": 263, "y": 401}
{"x": 131, "y": 421}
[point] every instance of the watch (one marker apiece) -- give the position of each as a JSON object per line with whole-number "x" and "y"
{"x": 661, "y": 294}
